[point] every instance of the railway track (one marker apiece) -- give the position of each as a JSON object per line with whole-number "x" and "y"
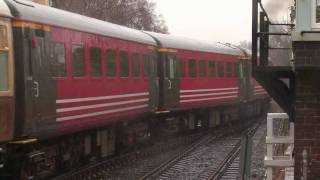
{"x": 230, "y": 168}
{"x": 197, "y": 156}
{"x": 102, "y": 169}
{"x": 214, "y": 157}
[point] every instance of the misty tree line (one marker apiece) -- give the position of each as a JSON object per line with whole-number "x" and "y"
{"x": 137, "y": 14}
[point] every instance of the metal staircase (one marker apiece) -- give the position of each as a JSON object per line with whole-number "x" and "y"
{"x": 278, "y": 81}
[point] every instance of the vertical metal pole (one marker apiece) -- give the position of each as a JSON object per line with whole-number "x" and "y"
{"x": 292, "y": 136}
{"x": 254, "y": 33}
{"x": 266, "y": 39}
{"x": 262, "y": 42}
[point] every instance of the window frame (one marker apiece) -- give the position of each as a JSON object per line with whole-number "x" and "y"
{"x": 147, "y": 58}
{"x": 179, "y": 61}
{"x": 65, "y": 59}
{"x": 195, "y": 68}
{"x": 10, "y": 92}
{"x": 236, "y": 70}
{"x": 139, "y": 65}
{"x": 214, "y": 69}
{"x": 120, "y": 64}
{"x": 90, "y": 62}
{"x": 228, "y": 70}
{"x": 205, "y": 68}
{"x": 84, "y": 60}
{"x": 223, "y": 69}
{"x": 114, "y": 51}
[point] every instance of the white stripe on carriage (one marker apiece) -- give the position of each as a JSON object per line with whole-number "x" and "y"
{"x": 259, "y": 90}
{"x": 206, "y": 90}
{"x": 212, "y": 94}
{"x": 261, "y": 93}
{"x": 100, "y": 113}
{"x": 63, "y": 101}
{"x": 101, "y": 105}
{"x": 207, "y": 99}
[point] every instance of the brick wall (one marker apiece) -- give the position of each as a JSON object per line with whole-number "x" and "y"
{"x": 307, "y": 107}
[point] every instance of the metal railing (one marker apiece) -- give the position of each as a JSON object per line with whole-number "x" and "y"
{"x": 261, "y": 32}
{"x": 275, "y": 161}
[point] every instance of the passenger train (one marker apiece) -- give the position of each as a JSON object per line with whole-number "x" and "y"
{"x": 74, "y": 88}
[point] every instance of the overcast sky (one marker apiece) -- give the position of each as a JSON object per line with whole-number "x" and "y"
{"x": 211, "y": 20}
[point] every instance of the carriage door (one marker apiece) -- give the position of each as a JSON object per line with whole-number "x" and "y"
{"x": 171, "y": 82}
{"x": 43, "y": 86}
{"x": 6, "y": 82}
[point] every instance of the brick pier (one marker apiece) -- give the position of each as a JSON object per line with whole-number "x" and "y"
{"x": 307, "y": 107}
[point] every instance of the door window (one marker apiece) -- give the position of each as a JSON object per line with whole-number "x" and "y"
{"x": 3, "y": 37}
{"x": 4, "y": 58}
{"x": 172, "y": 68}
{"x": 4, "y": 74}
{"x": 58, "y": 60}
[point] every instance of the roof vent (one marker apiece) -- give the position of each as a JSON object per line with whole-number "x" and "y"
{"x": 44, "y": 2}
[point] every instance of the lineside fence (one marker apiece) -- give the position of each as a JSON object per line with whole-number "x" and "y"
{"x": 280, "y": 144}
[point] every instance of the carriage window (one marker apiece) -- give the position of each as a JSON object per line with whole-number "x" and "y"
{"x": 192, "y": 68}
{"x": 228, "y": 70}
{"x": 58, "y": 60}
{"x": 147, "y": 66}
{"x": 4, "y": 74}
{"x": 202, "y": 68}
{"x": 212, "y": 68}
{"x": 181, "y": 68}
{"x": 135, "y": 65}
{"x": 95, "y": 60}
{"x": 78, "y": 61}
{"x": 220, "y": 69}
{"x": 236, "y": 69}
{"x": 111, "y": 63}
{"x": 124, "y": 64}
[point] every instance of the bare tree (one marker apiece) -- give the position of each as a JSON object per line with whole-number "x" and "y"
{"x": 138, "y": 14}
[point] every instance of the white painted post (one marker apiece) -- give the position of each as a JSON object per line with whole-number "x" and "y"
{"x": 281, "y": 161}
{"x": 269, "y": 147}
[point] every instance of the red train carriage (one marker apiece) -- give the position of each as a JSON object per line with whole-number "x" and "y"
{"x": 84, "y": 73}
{"x": 197, "y": 74}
